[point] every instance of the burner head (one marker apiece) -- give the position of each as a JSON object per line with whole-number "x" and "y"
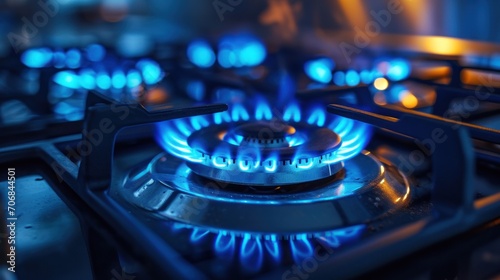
{"x": 267, "y": 149}
{"x": 362, "y": 191}
{"x": 263, "y": 134}
{"x": 265, "y": 154}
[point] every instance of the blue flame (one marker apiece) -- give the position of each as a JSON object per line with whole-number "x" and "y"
{"x": 95, "y": 52}
{"x": 301, "y": 247}
{"x": 239, "y": 113}
{"x": 366, "y": 77}
{"x": 352, "y": 78}
{"x": 263, "y": 111}
{"x": 339, "y": 78}
{"x": 73, "y": 58}
{"x": 399, "y": 69}
{"x": 172, "y": 136}
{"x": 495, "y": 61}
{"x": 320, "y": 70}
{"x": 225, "y": 244}
{"x": 37, "y": 58}
{"x": 201, "y": 54}
{"x": 134, "y": 79}
{"x": 252, "y": 254}
{"x": 196, "y": 90}
{"x": 317, "y": 117}
{"x": 87, "y": 79}
{"x": 252, "y": 249}
{"x": 118, "y": 80}
{"x": 151, "y": 71}
{"x": 67, "y": 79}
{"x": 103, "y": 81}
{"x": 292, "y": 112}
{"x": 59, "y": 59}
{"x": 68, "y": 111}
{"x": 253, "y": 53}
{"x": 273, "y": 248}
{"x": 239, "y": 51}
{"x": 198, "y": 234}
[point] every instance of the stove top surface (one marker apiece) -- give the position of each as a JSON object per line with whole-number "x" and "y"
{"x": 225, "y": 158}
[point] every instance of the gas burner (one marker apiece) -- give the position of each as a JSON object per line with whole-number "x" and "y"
{"x": 238, "y": 215}
{"x": 251, "y": 141}
{"x": 234, "y": 179}
{"x": 266, "y": 149}
{"x": 246, "y": 225}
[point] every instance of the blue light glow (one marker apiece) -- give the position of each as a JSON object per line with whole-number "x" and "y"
{"x": 251, "y": 249}
{"x": 271, "y": 165}
{"x": 239, "y": 113}
{"x": 134, "y": 79}
{"x": 67, "y": 79}
{"x": 87, "y": 79}
{"x": 395, "y": 93}
{"x": 196, "y": 90}
{"x": 495, "y": 61}
{"x": 103, "y": 81}
{"x": 226, "y": 58}
{"x": 292, "y": 112}
{"x": 319, "y": 70}
{"x": 352, "y": 78}
{"x": 68, "y": 111}
{"x": 317, "y": 117}
{"x": 273, "y": 248}
{"x": 73, "y": 58}
{"x": 172, "y": 136}
{"x": 225, "y": 244}
{"x": 252, "y": 54}
{"x": 301, "y": 248}
{"x": 95, "y": 52}
{"x": 339, "y": 78}
{"x": 37, "y": 58}
{"x": 201, "y": 54}
{"x": 251, "y": 255}
{"x": 118, "y": 80}
{"x": 263, "y": 111}
{"x": 399, "y": 69}
{"x": 198, "y": 234}
{"x": 59, "y": 59}
{"x": 239, "y": 51}
{"x": 366, "y": 77}
{"x": 151, "y": 71}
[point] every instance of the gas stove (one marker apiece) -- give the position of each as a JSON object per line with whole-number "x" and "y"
{"x": 230, "y": 157}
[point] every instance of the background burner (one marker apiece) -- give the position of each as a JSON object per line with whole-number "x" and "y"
{"x": 263, "y": 154}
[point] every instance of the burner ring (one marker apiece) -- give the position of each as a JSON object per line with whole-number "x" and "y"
{"x": 168, "y": 189}
{"x": 263, "y": 156}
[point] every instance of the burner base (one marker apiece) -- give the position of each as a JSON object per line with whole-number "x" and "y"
{"x": 168, "y": 189}
{"x": 269, "y": 175}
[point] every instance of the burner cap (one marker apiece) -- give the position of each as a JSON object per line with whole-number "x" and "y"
{"x": 265, "y": 153}
{"x": 264, "y": 133}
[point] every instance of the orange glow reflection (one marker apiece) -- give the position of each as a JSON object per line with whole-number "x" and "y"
{"x": 480, "y": 78}
{"x": 354, "y": 11}
{"x": 156, "y": 96}
{"x": 408, "y": 100}
{"x": 442, "y": 45}
{"x": 221, "y": 135}
{"x": 381, "y": 83}
{"x": 379, "y": 98}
